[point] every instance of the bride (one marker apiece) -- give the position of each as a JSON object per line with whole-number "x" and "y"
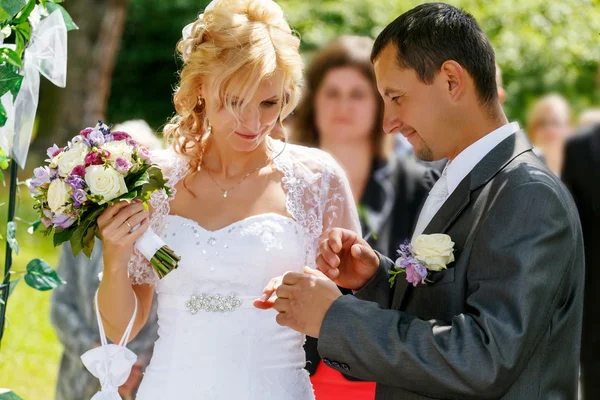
{"x": 243, "y": 208}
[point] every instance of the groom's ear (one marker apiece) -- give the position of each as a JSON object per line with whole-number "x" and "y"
{"x": 454, "y": 78}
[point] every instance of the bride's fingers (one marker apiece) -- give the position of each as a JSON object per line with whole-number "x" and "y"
{"x": 270, "y": 289}
{"x": 329, "y": 255}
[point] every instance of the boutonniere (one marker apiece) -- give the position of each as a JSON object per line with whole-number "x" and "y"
{"x": 426, "y": 254}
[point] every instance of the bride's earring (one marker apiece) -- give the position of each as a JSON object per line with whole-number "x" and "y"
{"x": 199, "y": 100}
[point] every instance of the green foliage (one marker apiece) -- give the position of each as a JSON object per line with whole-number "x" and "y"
{"x": 11, "y": 236}
{"x": 41, "y": 276}
{"x": 541, "y": 46}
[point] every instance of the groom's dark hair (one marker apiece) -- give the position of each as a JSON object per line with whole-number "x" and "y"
{"x": 433, "y": 33}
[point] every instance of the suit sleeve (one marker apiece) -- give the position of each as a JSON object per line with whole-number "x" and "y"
{"x": 514, "y": 283}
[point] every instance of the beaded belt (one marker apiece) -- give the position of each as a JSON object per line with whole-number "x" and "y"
{"x": 206, "y": 302}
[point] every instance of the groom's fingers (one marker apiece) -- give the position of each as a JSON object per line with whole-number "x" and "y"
{"x": 329, "y": 254}
{"x": 325, "y": 267}
{"x": 365, "y": 254}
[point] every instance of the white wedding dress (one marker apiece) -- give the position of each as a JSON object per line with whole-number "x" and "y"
{"x": 216, "y": 345}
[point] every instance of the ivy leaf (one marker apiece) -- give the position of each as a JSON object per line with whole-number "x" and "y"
{"x": 13, "y": 6}
{"x": 41, "y": 276}
{"x": 23, "y": 35}
{"x": 11, "y": 233}
{"x": 4, "y": 16}
{"x": 51, "y": 7}
{"x": 10, "y": 80}
{"x": 24, "y": 14}
{"x": 11, "y": 57}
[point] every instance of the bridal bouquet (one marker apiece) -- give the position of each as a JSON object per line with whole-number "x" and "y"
{"x": 97, "y": 168}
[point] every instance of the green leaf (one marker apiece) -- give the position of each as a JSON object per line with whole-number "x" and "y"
{"x": 11, "y": 233}
{"x": 4, "y": 16}
{"x": 34, "y": 226}
{"x": 10, "y": 80}
{"x": 3, "y": 160}
{"x": 3, "y": 115}
{"x": 23, "y": 35}
{"x": 7, "y": 394}
{"x": 156, "y": 181}
{"x": 68, "y": 20}
{"x": 89, "y": 241}
{"x": 13, "y": 6}
{"x": 10, "y": 56}
{"x": 63, "y": 235}
{"x": 43, "y": 3}
{"x": 41, "y": 276}
{"x": 24, "y": 14}
{"x": 81, "y": 236}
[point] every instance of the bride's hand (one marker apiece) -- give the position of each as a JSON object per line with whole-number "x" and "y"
{"x": 265, "y": 301}
{"x": 348, "y": 260}
{"x": 116, "y": 224}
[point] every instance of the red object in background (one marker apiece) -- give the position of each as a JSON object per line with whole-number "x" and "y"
{"x": 329, "y": 384}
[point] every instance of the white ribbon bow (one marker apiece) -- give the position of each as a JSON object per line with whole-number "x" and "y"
{"x": 111, "y": 364}
{"x": 46, "y": 55}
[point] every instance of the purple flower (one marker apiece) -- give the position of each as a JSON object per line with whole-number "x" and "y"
{"x": 86, "y": 132}
{"x": 144, "y": 153}
{"x": 75, "y": 181}
{"x": 416, "y": 273}
{"x": 118, "y": 135}
{"x": 47, "y": 213}
{"x": 122, "y": 165}
{"x": 132, "y": 142}
{"x": 96, "y": 138}
{"x": 63, "y": 220}
{"x": 52, "y": 150}
{"x": 109, "y": 138}
{"x": 42, "y": 176}
{"x": 79, "y": 171}
{"x": 79, "y": 197}
{"x": 46, "y": 222}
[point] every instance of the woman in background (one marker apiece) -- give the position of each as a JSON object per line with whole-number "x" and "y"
{"x": 548, "y": 126}
{"x": 342, "y": 113}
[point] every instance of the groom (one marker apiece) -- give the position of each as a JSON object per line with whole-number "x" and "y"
{"x": 504, "y": 320}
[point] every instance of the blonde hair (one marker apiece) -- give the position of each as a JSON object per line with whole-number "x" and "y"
{"x": 240, "y": 43}
{"x": 549, "y": 103}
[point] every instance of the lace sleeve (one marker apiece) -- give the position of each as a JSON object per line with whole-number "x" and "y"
{"x": 174, "y": 168}
{"x": 318, "y": 195}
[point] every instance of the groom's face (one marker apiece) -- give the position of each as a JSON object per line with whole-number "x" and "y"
{"x": 412, "y": 108}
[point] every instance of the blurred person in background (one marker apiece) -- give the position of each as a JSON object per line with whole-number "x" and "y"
{"x": 548, "y": 127}
{"x": 589, "y": 117}
{"x": 342, "y": 113}
{"x": 72, "y": 308}
{"x": 581, "y": 174}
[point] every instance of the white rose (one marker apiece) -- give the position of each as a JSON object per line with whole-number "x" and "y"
{"x": 118, "y": 148}
{"x": 71, "y": 158}
{"x": 435, "y": 251}
{"x": 59, "y": 194}
{"x": 105, "y": 181}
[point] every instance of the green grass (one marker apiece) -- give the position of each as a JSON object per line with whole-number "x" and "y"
{"x": 30, "y": 352}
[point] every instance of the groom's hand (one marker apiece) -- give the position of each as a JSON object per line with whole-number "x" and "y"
{"x": 303, "y": 299}
{"x": 347, "y": 259}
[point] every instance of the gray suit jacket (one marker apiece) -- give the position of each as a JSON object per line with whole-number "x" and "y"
{"x": 503, "y": 322}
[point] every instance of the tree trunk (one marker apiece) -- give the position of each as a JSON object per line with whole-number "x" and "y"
{"x": 92, "y": 51}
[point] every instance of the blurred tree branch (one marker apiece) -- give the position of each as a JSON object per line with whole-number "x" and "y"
{"x": 92, "y": 54}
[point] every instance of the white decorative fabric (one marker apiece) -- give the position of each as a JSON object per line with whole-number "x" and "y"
{"x": 110, "y": 363}
{"x": 216, "y": 345}
{"x": 318, "y": 198}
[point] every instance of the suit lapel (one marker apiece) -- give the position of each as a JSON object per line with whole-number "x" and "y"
{"x": 484, "y": 171}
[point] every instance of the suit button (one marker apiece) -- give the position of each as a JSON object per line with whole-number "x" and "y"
{"x": 327, "y": 362}
{"x": 345, "y": 367}
{"x": 335, "y": 365}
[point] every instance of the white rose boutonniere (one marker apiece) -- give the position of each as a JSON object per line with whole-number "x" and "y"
{"x": 426, "y": 254}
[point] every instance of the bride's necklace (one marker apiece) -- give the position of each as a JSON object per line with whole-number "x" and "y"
{"x": 226, "y": 191}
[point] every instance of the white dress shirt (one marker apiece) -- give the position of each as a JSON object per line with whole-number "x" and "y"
{"x": 456, "y": 170}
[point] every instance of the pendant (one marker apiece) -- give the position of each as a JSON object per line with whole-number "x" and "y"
{"x": 225, "y": 194}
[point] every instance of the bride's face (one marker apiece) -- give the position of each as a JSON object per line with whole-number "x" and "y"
{"x": 257, "y": 117}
